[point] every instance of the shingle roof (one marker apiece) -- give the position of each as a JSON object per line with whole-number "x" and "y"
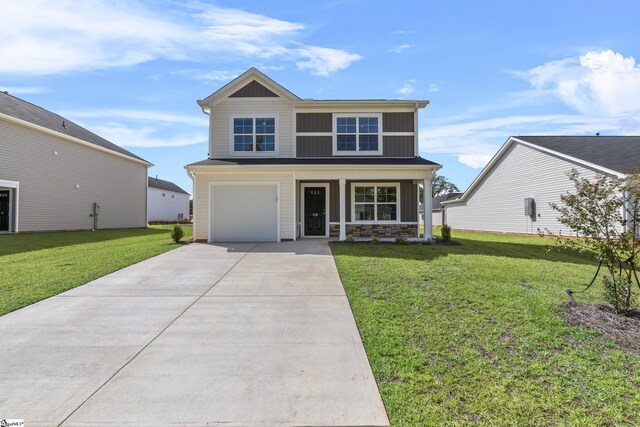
{"x": 23, "y": 110}
{"x": 161, "y": 184}
{"x": 618, "y": 153}
{"x": 326, "y": 161}
{"x": 436, "y": 202}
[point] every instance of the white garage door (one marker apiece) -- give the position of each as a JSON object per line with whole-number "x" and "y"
{"x": 244, "y": 213}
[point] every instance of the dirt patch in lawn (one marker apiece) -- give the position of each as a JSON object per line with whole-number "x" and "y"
{"x": 625, "y": 330}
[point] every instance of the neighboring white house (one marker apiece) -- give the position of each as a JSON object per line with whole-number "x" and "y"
{"x": 438, "y": 211}
{"x": 282, "y": 167}
{"x": 166, "y": 201}
{"x": 56, "y": 175}
{"x": 513, "y": 192}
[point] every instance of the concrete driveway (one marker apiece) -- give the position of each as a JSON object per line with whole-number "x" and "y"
{"x": 235, "y": 335}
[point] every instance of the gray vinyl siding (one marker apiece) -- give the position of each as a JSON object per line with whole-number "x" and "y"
{"x": 497, "y": 204}
{"x": 48, "y": 197}
{"x": 253, "y": 90}
{"x": 314, "y": 122}
{"x": 398, "y": 122}
{"x": 313, "y": 146}
{"x": 398, "y": 146}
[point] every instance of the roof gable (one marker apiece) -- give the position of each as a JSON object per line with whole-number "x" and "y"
{"x": 161, "y": 184}
{"x": 253, "y": 90}
{"x": 35, "y": 115}
{"x": 243, "y": 81}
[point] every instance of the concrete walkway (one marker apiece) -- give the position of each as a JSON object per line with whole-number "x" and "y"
{"x": 236, "y": 335}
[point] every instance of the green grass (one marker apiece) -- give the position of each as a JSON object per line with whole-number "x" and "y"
{"x": 36, "y": 266}
{"x": 470, "y": 334}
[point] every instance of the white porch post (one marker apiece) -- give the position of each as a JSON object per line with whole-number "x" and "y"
{"x": 343, "y": 211}
{"x": 426, "y": 203}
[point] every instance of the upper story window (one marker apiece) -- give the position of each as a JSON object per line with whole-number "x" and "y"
{"x": 357, "y": 134}
{"x": 254, "y": 134}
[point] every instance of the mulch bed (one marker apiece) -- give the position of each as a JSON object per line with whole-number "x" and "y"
{"x": 602, "y": 318}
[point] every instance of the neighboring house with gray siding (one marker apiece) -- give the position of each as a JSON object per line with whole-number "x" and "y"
{"x": 534, "y": 170}
{"x": 282, "y": 167}
{"x": 53, "y": 171}
{"x": 438, "y": 211}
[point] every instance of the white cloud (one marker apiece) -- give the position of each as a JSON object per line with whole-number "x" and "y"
{"x": 209, "y": 76}
{"x": 323, "y": 61}
{"x": 65, "y": 36}
{"x": 141, "y": 128}
{"x": 22, "y": 90}
{"x": 400, "y": 49}
{"x": 433, "y": 88}
{"x": 407, "y": 88}
{"x": 475, "y": 161}
{"x": 598, "y": 82}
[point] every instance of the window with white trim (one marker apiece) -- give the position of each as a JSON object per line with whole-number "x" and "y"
{"x": 254, "y": 134}
{"x": 357, "y": 134}
{"x": 375, "y": 202}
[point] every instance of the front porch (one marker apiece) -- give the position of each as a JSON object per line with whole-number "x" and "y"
{"x": 361, "y": 208}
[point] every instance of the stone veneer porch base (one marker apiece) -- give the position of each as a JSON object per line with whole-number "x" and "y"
{"x": 378, "y": 230}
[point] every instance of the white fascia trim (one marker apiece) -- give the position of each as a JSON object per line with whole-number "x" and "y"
{"x": 53, "y": 133}
{"x": 328, "y": 167}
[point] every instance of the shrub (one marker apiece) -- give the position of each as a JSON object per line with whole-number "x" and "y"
{"x": 350, "y": 239}
{"x": 177, "y": 233}
{"x": 374, "y": 239}
{"x": 401, "y": 240}
{"x": 446, "y": 233}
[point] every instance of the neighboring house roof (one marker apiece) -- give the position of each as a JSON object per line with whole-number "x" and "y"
{"x": 613, "y": 155}
{"x": 410, "y": 161}
{"x": 28, "y": 112}
{"x": 617, "y": 153}
{"x": 161, "y": 184}
{"x": 436, "y": 202}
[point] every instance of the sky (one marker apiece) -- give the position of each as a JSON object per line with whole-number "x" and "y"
{"x": 131, "y": 71}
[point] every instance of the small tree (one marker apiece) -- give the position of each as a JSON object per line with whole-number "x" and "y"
{"x": 604, "y": 213}
{"x": 177, "y": 233}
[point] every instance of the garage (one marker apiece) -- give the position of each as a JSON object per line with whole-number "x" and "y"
{"x": 244, "y": 212}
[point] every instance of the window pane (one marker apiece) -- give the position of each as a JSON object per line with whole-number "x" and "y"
{"x": 387, "y": 212}
{"x": 243, "y": 142}
{"x": 365, "y": 194}
{"x": 243, "y": 126}
{"x": 364, "y": 212}
{"x": 368, "y": 142}
{"x": 265, "y": 143}
{"x": 368, "y": 124}
{"x": 346, "y": 125}
{"x": 346, "y": 143}
{"x": 386, "y": 194}
{"x": 265, "y": 125}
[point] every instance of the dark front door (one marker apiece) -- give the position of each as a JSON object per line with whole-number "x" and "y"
{"x": 4, "y": 211}
{"x": 315, "y": 211}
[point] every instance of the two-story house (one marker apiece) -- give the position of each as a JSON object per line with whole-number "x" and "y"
{"x": 281, "y": 167}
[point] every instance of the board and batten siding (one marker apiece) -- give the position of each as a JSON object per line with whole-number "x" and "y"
{"x": 49, "y": 168}
{"x": 221, "y": 131}
{"x": 201, "y": 195}
{"x": 497, "y": 204}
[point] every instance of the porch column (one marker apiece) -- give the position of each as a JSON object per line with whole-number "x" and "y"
{"x": 343, "y": 211}
{"x": 426, "y": 203}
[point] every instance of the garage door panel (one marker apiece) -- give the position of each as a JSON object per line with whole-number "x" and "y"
{"x": 244, "y": 213}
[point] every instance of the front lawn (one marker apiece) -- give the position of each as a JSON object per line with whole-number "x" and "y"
{"x": 36, "y": 266}
{"x": 471, "y": 334}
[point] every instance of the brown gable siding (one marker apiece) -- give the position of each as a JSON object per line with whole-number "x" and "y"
{"x": 398, "y": 146}
{"x": 314, "y": 122}
{"x": 397, "y": 122}
{"x": 314, "y": 146}
{"x": 253, "y": 90}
